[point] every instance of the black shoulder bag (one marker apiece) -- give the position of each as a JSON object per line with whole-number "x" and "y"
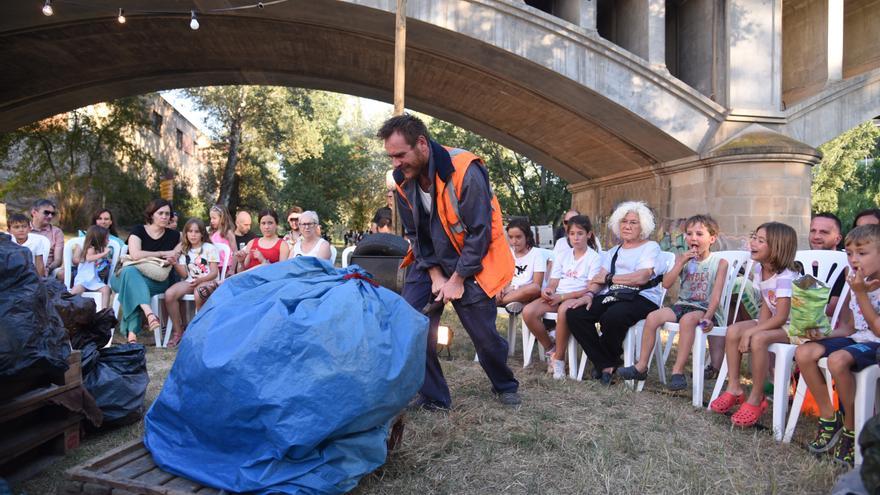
{"x": 620, "y": 292}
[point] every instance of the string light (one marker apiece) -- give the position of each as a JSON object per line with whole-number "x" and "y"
{"x": 193, "y": 21}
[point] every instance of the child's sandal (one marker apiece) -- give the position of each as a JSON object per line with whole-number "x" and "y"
{"x": 748, "y": 415}
{"x": 726, "y": 401}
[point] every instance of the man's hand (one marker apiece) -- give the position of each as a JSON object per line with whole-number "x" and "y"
{"x": 438, "y": 280}
{"x": 452, "y": 290}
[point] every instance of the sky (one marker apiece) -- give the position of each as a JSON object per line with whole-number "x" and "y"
{"x": 184, "y": 105}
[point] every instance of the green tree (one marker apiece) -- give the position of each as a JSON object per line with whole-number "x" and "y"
{"x": 257, "y": 127}
{"x": 837, "y": 180}
{"x": 85, "y": 158}
{"x": 523, "y": 187}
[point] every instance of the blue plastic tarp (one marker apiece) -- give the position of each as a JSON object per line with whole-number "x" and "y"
{"x": 287, "y": 381}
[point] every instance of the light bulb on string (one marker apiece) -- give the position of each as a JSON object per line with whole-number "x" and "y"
{"x": 121, "y": 17}
{"x": 47, "y": 8}
{"x": 193, "y": 23}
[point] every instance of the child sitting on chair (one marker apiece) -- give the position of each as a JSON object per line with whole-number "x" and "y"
{"x": 94, "y": 257}
{"x": 702, "y": 280}
{"x": 20, "y": 228}
{"x": 529, "y": 268}
{"x": 849, "y": 349}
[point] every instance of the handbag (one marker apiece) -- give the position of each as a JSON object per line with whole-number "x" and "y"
{"x": 152, "y": 267}
{"x": 620, "y": 292}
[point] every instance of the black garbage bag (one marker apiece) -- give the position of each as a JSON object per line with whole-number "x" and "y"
{"x": 98, "y": 331}
{"x": 33, "y": 342}
{"x": 77, "y": 312}
{"x": 869, "y": 441}
{"x": 118, "y": 380}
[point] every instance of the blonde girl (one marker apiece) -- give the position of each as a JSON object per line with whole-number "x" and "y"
{"x": 197, "y": 268}
{"x": 223, "y": 232}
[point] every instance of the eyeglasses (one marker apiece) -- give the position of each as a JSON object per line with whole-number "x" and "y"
{"x": 308, "y": 225}
{"x": 48, "y": 213}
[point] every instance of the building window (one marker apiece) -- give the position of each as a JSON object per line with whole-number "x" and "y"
{"x": 156, "y": 122}
{"x": 179, "y": 139}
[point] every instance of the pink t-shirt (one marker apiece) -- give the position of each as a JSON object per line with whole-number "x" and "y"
{"x": 217, "y": 238}
{"x": 779, "y": 285}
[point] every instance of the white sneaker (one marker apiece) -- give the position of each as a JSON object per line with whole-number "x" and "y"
{"x": 558, "y": 369}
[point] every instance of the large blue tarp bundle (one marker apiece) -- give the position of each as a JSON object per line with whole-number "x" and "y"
{"x": 287, "y": 381}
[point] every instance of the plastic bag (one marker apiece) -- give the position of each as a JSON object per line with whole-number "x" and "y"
{"x": 117, "y": 380}
{"x": 77, "y": 312}
{"x": 287, "y": 381}
{"x": 32, "y": 337}
{"x": 869, "y": 441}
{"x": 808, "y": 300}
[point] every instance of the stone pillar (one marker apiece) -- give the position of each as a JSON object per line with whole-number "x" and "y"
{"x": 835, "y": 40}
{"x": 755, "y": 177}
{"x": 580, "y": 12}
{"x": 754, "y": 72}
{"x": 641, "y": 28}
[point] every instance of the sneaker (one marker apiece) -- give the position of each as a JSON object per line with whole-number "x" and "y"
{"x": 606, "y": 378}
{"x": 827, "y": 435}
{"x": 509, "y": 398}
{"x": 558, "y": 369}
{"x": 677, "y": 382}
{"x": 514, "y": 308}
{"x": 632, "y": 373}
{"x": 845, "y": 452}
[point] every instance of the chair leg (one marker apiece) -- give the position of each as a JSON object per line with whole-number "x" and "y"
{"x": 781, "y": 378}
{"x": 154, "y": 306}
{"x": 719, "y": 382}
{"x": 528, "y": 343}
{"x": 698, "y": 364}
{"x": 582, "y": 366}
{"x": 796, "y": 406}
{"x": 667, "y": 349}
{"x": 633, "y": 335}
{"x": 865, "y": 402}
{"x": 572, "y": 358}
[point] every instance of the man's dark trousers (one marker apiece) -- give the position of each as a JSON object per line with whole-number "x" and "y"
{"x": 477, "y": 312}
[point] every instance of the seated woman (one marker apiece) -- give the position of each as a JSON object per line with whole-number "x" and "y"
{"x": 625, "y": 296}
{"x": 269, "y": 248}
{"x": 134, "y": 289}
{"x": 293, "y": 233}
{"x": 197, "y": 268}
{"x": 568, "y": 281}
{"x": 310, "y": 242}
{"x": 530, "y": 265}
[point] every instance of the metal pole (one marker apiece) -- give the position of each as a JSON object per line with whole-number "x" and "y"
{"x": 399, "y": 57}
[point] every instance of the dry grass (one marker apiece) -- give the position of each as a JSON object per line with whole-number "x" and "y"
{"x": 568, "y": 437}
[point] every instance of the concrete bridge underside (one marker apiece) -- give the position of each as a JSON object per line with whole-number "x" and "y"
{"x": 608, "y": 116}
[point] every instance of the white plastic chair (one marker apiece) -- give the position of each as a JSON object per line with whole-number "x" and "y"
{"x": 346, "y": 255}
{"x": 633, "y": 340}
{"x": 332, "y": 254}
{"x": 829, "y": 266}
{"x": 67, "y": 266}
{"x": 154, "y": 302}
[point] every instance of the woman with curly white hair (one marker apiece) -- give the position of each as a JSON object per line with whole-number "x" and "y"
{"x": 622, "y": 293}
{"x": 310, "y": 242}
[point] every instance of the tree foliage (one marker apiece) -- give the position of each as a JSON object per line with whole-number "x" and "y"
{"x": 840, "y": 183}
{"x": 85, "y": 159}
{"x": 523, "y": 187}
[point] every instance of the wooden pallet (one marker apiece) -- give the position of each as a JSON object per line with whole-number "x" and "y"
{"x": 36, "y": 431}
{"x": 128, "y": 469}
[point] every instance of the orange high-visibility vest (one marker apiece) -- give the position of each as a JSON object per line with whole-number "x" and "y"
{"x": 498, "y": 262}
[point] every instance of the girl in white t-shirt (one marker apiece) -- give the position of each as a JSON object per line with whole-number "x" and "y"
{"x": 528, "y": 271}
{"x": 197, "y": 268}
{"x": 572, "y": 270}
